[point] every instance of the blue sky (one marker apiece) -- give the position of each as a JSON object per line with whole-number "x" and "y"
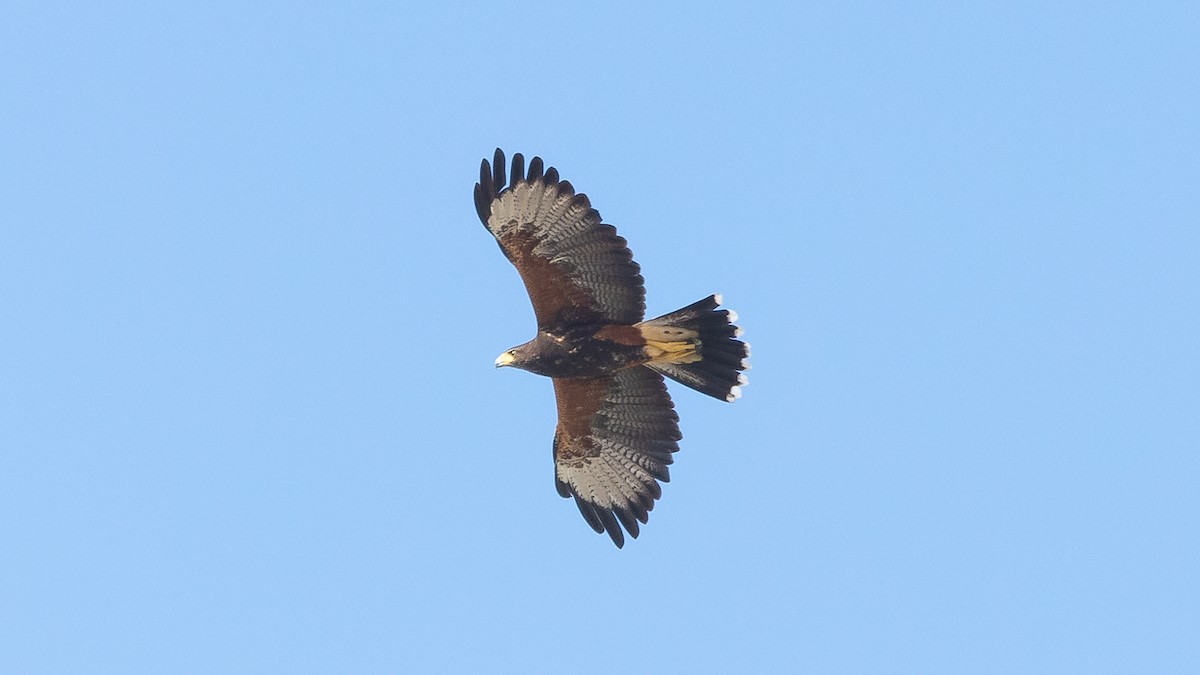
{"x": 248, "y": 415}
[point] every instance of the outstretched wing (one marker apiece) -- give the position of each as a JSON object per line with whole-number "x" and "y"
{"x": 575, "y": 267}
{"x": 614, "y": 440}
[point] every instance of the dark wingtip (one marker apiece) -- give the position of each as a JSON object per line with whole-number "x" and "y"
{"x": 589, "y": 514}
{"x": 498, "y": 170}
{"x": 518, "y": 169}
{"x": 641, "y": 510}
{"x": 611, "y": 526}
{"x": 494, "y": 177}
{"x": 483, "y": 204}
{"x": 485, "y": 192}
{"x": 485, "y": 177}
{"x": 628, "y": 520}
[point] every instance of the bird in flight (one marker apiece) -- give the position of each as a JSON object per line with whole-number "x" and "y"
{"x": 617, "y": 427}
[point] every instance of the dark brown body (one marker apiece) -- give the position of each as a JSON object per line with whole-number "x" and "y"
{"x": 588, "y": 350}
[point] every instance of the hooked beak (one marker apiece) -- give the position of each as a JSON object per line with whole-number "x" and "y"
{"x": 505, "y": 359}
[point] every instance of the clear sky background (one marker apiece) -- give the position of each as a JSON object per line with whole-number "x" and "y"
{"x": 249, "y": 420}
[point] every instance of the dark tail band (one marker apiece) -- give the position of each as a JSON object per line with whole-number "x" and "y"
{"x": 718, "y": 372}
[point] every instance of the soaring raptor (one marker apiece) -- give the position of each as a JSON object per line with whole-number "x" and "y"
{"x": 617, "y": 428}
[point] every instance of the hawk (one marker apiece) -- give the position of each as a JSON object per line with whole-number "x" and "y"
{"x": 617, "y": 427}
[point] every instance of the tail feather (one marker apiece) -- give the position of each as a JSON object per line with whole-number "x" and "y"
{"x": 721, "y": 356}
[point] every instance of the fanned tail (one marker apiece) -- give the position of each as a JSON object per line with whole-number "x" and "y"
{"x": 698, "y": 346}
